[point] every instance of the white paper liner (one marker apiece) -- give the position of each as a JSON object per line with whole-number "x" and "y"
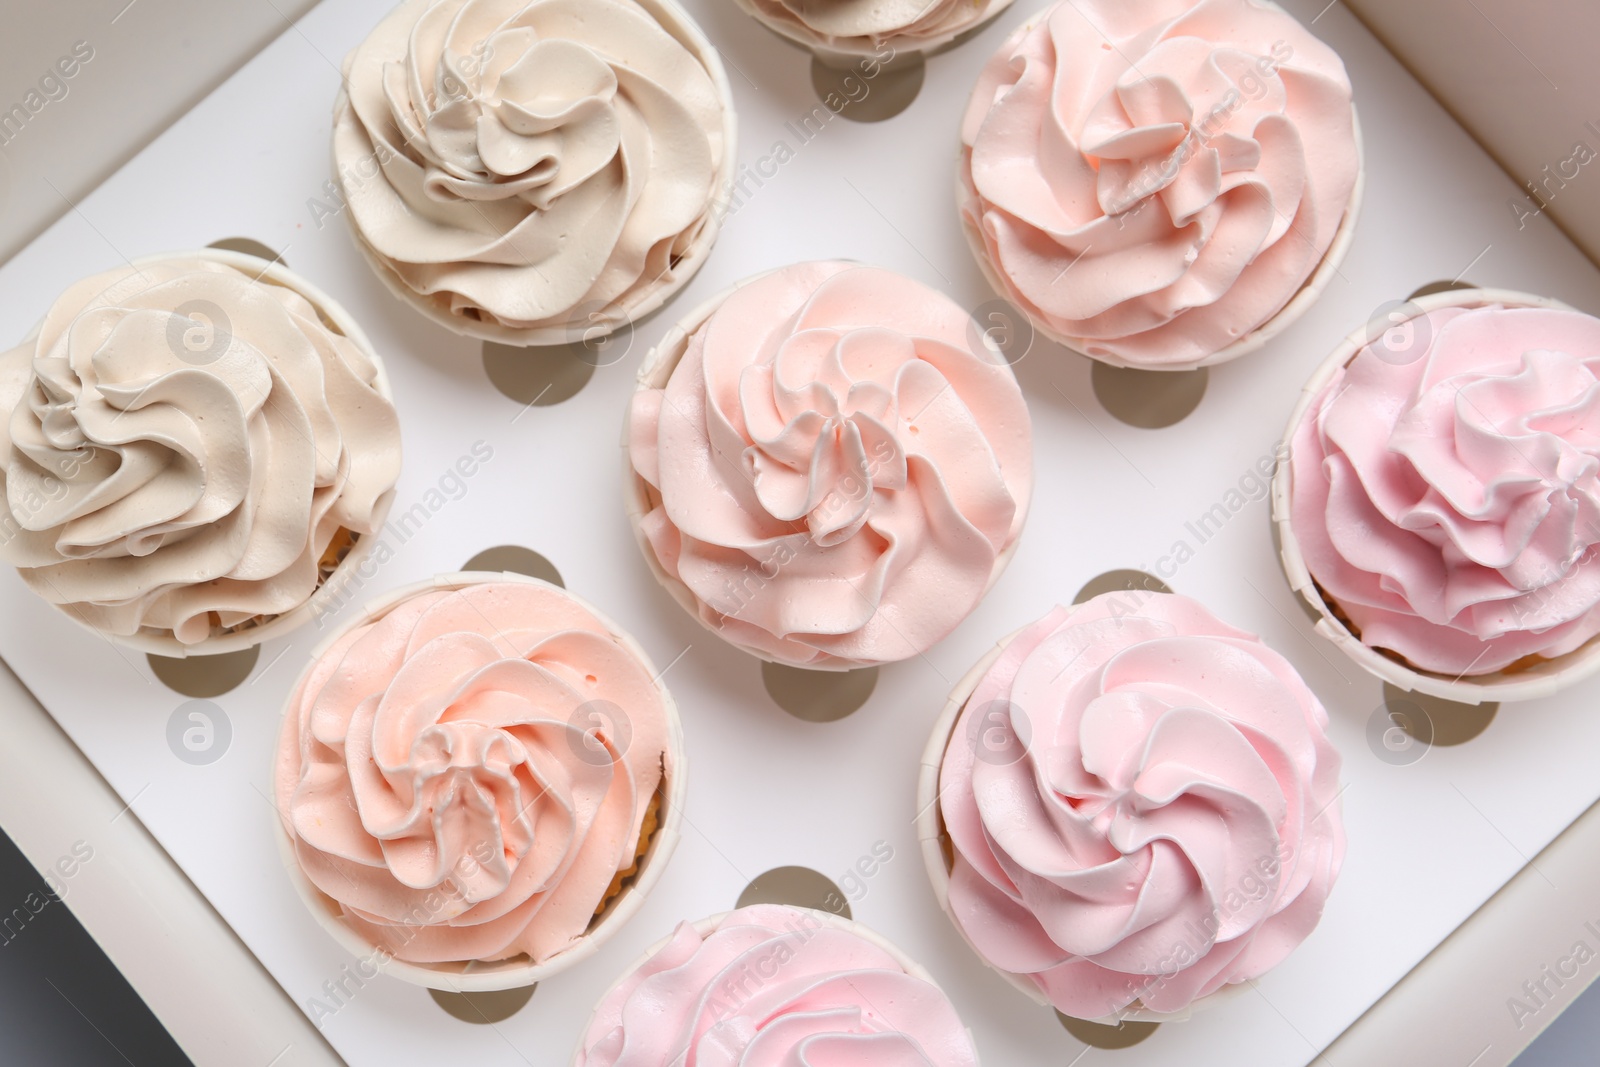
{"x": 1287, "y": 316}
{"x": 682, "y": 26}
{"x": 847, "y": 52}
{"x": 335, "y": 316}
{"x": 656, "y": 369}
{"x": 931, "y": 837}
{"x": 477, "y": 976}
{"x": 1541, "y": 680}
{"x": 705, "y": 927}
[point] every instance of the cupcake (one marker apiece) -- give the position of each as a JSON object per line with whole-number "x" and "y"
{"x": 534, "y": 172}
{"x": 478, "y": 782}
{"x": 873, "y": 27}
{"x": 829, "y": 466}
{"x": 1440, "y": 503}
{"x": 1161, "y": 185}
{"x": 771, "y": 984}
{"x": 1130, "y": 807}
{"x": 193, "y": 447}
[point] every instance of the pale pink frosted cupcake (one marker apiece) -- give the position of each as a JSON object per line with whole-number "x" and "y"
{"x": 1161, "y": 183}
{"x": 1441, "y": 502}
{"x": 829, "y": 466}
{"x": 1131, "y": 807}
{"x": 772, "y": 984}
{"x": 478, "y": 781}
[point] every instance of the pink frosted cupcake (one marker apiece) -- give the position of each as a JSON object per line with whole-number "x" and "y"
{"x": 1441, "y": 502}
{"x": 829, "y": 466}
{"x": 1130, "y": 807}
{"x": 478, "y": 782}
{"x": 775, "y": 985}
{"x": 1161, "y": 184}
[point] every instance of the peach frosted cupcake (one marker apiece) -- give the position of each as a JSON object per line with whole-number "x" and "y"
{"x": 479, "y": 781}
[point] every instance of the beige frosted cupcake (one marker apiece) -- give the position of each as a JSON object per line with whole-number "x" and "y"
{"x": 197, "y": 449}
{"x": 536, "y": 172}
{"x": 478, "y": 781}
{"x": 1160, "y": 185}
{"x": 829, "y": 466}
{"x": 884, "y": 29}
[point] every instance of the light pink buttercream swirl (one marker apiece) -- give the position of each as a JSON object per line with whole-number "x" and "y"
{"x": 1449, "y": 503}
{"x": 1142, "y": 805}
{"x": 838, "y": 466}
{"x": 467, "y": 774}
{"x": 182, "y": 443}
{"x": 1152, "y": 180}
{"x": 773, "y": 986}
{"x": 860, "y": 25}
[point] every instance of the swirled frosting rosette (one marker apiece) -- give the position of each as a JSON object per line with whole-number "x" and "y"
{"x": 1132, "y": 806}
{"x": 1161, "y": 183}
{"x": 771, "y": 984}
{"x": 1443, "y": 489}
{"x": 481, "y": 771}
{"x": 192, "y": 446}
{"x": 534, "y": 171}
{"x": 828, "y": 465}
{"x": 857, "y": 27}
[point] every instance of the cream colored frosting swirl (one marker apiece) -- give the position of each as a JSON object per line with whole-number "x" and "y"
{"x": 774, "y": 986}
{"x": 1153, "y": 180}
{"x": 862, "y": 25}
{"x": 516, "y": 165}
{"x": 468, "y": 774}
{"x": 1447, "y": 498}
{"x": 182, "y": 444}
{"x": 838, "y": 467}
{"x": 1142, "y": 802}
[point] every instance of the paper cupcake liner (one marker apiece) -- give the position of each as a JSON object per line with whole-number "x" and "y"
{"x": 1543, "y": 679}
{"x": 847, "y": 52}
{"x": 246, "y": 636}
{"x": 638, "y": 496}
{"x": 682, "y": 26}
{"x": 937, "y": 857}
{"x": 1287, "y": 316}
{"x": 705, "y": 927}
{"x": 478, "y": 976}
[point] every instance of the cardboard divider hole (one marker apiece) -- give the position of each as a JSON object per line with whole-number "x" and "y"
{"x": 249, "y": 246}
{"x": 1148, "y": 399}
{"x": 517, "y": 560}
{"x": 1120, "y": 581}
{"x": 800, "y": 887}
{"x": 818, "y": 696}
{"x": 205, "y": 676}
{"x": 484, "y": 1009}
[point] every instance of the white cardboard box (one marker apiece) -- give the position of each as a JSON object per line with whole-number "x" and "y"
{"x": 1430, "y": 843}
